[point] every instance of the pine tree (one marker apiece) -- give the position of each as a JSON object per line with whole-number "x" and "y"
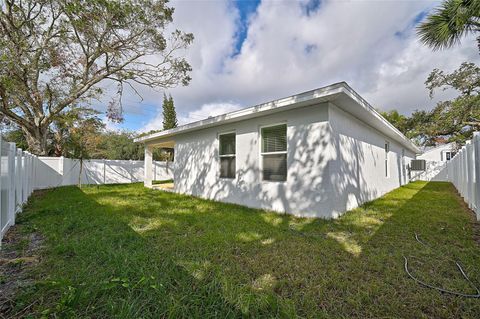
{"x": 169, "y": 113}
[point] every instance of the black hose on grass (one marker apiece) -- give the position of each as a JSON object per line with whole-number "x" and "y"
{"x": 477, "y": 295}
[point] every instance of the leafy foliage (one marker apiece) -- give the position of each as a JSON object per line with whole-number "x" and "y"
{"x": 75, "y": 133}
{"x": 452, "y": 121}
{"x": 87, "y": 138}
{"x": 414, "y": 127}
{"x": 55, "y": 53}
{"x": 169, "y": 113}
{"x": 401, "y": 122}
{"x": 458, "y": 118}
{"x": 466, "y": 80}
{"x": 449, "y": 23}
{"x": 16, "y": 136}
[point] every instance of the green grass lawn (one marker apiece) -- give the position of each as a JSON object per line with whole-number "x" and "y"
{"x": 129, "y": 252}
{"x": 165, "y": 181}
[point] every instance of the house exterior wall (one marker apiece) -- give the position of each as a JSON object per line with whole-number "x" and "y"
{"x": 437, "y": 154}
{"x": 435, "y": 164}
{"x": 307, "y": 190}
{"x": 358, "y": 168}
{"x": 434, "y": 171}
{"x": 335, "y": 163}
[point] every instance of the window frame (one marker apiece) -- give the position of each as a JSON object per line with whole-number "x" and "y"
{"x": 448, "y": 154}
{"x": 234, "y": 155}
{"x": 386, "y": 150}
{"x": 262, "y": 153}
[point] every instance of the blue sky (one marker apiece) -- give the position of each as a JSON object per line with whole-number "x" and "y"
{"x": 245, "y": 11}
{"x": 248, "y": 52}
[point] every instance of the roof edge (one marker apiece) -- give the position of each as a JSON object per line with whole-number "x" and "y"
{"x": 257, "y": 110}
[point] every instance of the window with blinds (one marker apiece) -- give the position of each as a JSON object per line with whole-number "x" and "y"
{"x": 274, "y": 153}
{"x": 227, "y": 155}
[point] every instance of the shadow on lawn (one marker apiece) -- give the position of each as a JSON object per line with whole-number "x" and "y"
{"x": 96, "y": 265}
{"x": 213, "y": 258}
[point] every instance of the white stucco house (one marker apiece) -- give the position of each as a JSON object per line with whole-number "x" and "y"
{"x": 439, "y": 153}
{"x": 435, "y": 160}
{"x": 316, "y": 154}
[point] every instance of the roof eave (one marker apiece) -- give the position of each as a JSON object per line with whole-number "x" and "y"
{"x": 325, "y": 94}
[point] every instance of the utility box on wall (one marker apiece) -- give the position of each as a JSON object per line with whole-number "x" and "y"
{"x": 418, "y": 165}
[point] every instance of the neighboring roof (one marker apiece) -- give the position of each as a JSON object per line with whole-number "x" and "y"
{"x": 341, "y": 94}
{"x": 441, "y": 140}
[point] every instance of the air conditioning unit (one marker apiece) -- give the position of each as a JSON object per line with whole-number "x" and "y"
{"x": 418, "y": 165}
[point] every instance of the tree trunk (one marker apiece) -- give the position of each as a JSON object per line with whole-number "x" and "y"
{"x": 37, "y": 141}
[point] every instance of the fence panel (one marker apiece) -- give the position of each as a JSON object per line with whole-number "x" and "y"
{"x": 463, "y": 170}
{"x": 14, "y": 183}
{"x": 21, "y": 173}
{"x": 4, "y": 186}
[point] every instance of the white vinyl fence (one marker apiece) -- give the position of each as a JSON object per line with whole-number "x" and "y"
{"x": 16, "y": 182}
{"x": 463, "y": 170}
{"x": 22, "y": 172}
{"x": 434, "y": 171}
{"x": 60, "y": 171}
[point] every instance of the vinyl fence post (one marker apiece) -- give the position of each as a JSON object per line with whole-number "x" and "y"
{"x": 11, "y": 174}
{"x": 32, "y": 158}
{"x": 24, "y": 177}
{"x": 130, "y": 170}
{"x": 61, "y": 168}
{"x": 469, "y": 184}
{"x": 35, "y": 162}
{"x": 18, "y": 182}
{"x": 464, "y": 173}
{"x": 1, "y": 221}
{"x": 29, "y": 174}
{"x": 476, "y": 167}
{"x": 104, "y": 169}
{"x": 466, "y": 178}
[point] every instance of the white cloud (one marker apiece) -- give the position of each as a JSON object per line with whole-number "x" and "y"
{"x": 400, "y": 81}
{"x": 370, "y": 44}
{"x": 111, "y": 126}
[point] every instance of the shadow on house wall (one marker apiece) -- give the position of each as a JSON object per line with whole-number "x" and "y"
{"x": 326, "y": 171}
{"x": 434, "y": 171}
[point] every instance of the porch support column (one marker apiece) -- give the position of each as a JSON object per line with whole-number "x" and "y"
{"x": 147, "y": 182}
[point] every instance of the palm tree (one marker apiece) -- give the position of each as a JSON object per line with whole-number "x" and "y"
{"x": 450, "y": 22}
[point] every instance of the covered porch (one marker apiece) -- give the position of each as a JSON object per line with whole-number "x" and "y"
{"x": 166, "y": 149}
{"x": 168, "y": 186}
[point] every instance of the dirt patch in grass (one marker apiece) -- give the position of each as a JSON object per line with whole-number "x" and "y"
{"x": 19, "y": 253}
{"x": 476, "y": 231}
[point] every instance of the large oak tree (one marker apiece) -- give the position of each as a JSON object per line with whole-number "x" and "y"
{"x": 55, "y": 53}
{"x": 452, "y": 120}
